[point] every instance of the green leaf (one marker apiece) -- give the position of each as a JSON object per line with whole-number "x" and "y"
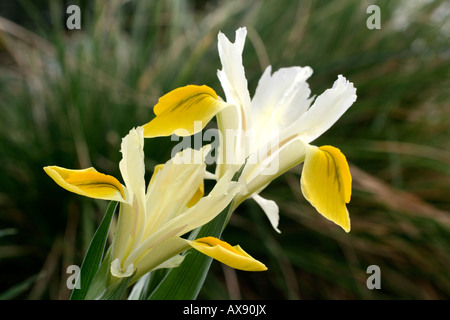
{"x": 116, "y": 290}
{"x": 94, "y": 255}
{"x": 147, "y": 284}
{"x": 19, "y": 288}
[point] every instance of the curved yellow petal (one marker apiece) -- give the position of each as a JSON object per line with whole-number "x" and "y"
{"x": 233, "y": 256}
{"x": 327, "y": 184}
{"x": 87, "y": 182}
{"x": 184, "y": 111}
{"x": 197, "y": 196}
{"x": 156, "y": 169}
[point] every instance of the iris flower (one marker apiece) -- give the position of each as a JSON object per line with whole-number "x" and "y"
{"x": 272, "y": 132}
{"x": 152, "y": 220}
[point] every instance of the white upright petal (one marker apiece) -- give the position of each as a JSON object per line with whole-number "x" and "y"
{"x": 325, "y": 111}
{"x": 281, "y": 98}
{"x": 232, "y": 76}
{"x": 132, "y": 165}
{"x": 201, "y": 213}
{"x": 125, "y": 231}
{"x": 173, "y": 187}
{"x": 232, "y": 145}
{"x": 271, "y": 209}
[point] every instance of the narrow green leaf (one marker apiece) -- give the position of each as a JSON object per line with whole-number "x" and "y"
{"x": 101, "y": 280}
{"x": 147, "y": 284}
{"x": 19, "y": 288}
{"x": 94, "y": 255}
{"x": 140, "y": 288}
{"x": 116, "y": 290}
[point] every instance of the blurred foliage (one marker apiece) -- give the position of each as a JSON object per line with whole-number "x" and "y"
{"x": 68, "y": 96}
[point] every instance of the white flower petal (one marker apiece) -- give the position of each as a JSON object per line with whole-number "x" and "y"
{"x": 210, "y": 206}
{"x": 210, "y": 176}
{"x": 119, "y": 272}
{"x": 125, "y": 231}
{"x": 163, "y": 255}
{"x": 325, "y": 111}
{"x": 289, "y": 153}
{"x": 271, "y": 210}
{"x": 132, "y": 165}
{"x": 173, "y": 187}
{"x": 232, "y": 76}
{"x": 206, "y": 209}
{"x": 232, "y": 149}
{"x": 171, "y": 263}
{"x": 281, "y": 98}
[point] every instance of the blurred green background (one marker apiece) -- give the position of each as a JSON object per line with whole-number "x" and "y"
{"x": 68, "y": 96}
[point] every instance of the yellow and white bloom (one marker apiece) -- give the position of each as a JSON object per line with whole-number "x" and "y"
{"x": 271, "y": 131}
{"x": 153, "y": 219}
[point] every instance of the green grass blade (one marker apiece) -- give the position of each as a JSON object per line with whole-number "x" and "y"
{"x": 116, "y": 290}
{"x": 94, "y": 254}
{"x": 19, "y": 288}
{"x": 146, "y": 284}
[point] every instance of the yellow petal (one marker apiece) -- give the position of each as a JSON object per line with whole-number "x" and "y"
{"x": 234, "y": 257}
{"x": 327, "y": 184}
{"x": 156, "y": 169}
{"x": 87, "y": 182}
{"x": 197, "y": 196}
{"x": 178, "y": 111}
